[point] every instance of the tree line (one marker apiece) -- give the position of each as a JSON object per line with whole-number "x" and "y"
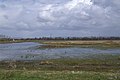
{"x": 72, "y": 38}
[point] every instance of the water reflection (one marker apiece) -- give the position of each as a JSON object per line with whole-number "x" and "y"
{"x": 28, "y": 51}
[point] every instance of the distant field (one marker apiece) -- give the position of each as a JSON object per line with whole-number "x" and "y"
{"x": 103, "y": 44}
{"x": 74, "y": 42}
{"x": 83, "y": 42}
{"x": 79, "y": 43}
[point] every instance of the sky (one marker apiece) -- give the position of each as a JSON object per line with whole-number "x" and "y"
{"x": 59, "y": 18}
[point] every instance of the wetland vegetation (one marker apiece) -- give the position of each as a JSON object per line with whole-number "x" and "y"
{"x": 103, "y": 64}
{"x": 105, "y": 68}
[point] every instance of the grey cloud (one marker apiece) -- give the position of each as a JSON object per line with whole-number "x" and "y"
{"x": 85, "y": 16}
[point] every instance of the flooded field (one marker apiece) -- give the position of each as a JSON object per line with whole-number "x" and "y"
{"x": 30, "y": 51}
{"x": 68, "y": 60}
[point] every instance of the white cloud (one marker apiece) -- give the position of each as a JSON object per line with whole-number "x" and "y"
{"x": 74, "y": 3}
{"x": 82, "y": 15}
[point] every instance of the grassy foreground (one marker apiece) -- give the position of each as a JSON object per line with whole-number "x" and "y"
{"x": 107, "y": 67}
{"x": 56, "y": 75}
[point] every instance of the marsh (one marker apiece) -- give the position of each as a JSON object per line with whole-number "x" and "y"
{"x": 37, "y": 51}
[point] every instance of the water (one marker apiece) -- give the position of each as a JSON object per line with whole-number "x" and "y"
{"x": 28, "y": 51}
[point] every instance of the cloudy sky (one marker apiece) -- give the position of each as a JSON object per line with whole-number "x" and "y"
{"x": 37, "y": 18}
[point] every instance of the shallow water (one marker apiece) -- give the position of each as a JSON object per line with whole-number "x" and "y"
{"x": 28, "y": 51}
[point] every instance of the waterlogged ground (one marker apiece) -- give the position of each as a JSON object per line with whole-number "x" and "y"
{"x": 35, "y": 51}
{"x": 59, "y": 61}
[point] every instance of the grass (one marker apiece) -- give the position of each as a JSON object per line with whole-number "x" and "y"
{"x": 56, "y": 75}
{"x": 102, "y": 44}
{"x": 2, "y": 41}
{"x": 99, "y": 67}
{"x": 97, "y": 63}
{"x": 95, "y": 67}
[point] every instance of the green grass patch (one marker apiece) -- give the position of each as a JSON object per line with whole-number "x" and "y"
{"x": 99, "y": 67}
{"x": 96, "y": 63}
{"x": 56, "y": 75}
